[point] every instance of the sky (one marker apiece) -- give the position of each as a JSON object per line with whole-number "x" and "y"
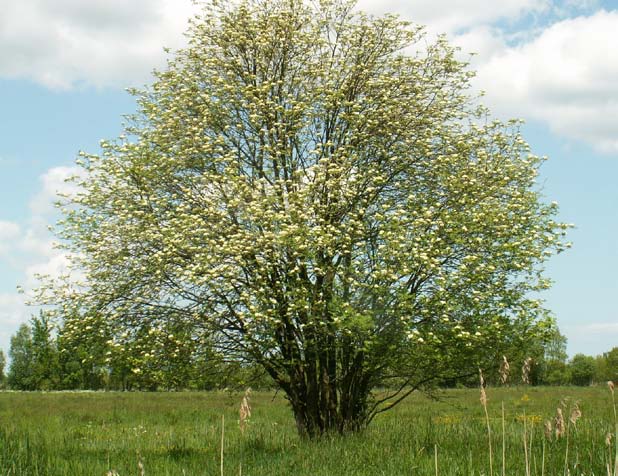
{"x": 65, "y": 65}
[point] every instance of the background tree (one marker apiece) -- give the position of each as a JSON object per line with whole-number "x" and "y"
{"x": 554, "y": 360}
{"x": 303, "y": 195}
{"x": 581, "y": 369}
{"x": 44, "y": 365}
{"x": 557, "y": 373}
{"x": 82, "y": 357}
{"x": 2, "y": 367}
{"x": 611, "y": 358}
{"x": 21, "y": 372}
{"x": 607, "y": 366}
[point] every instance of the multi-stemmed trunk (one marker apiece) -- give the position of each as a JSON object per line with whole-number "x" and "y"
{"x": 328, "y": 389}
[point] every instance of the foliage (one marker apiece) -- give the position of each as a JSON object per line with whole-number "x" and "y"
{"x": 81, "y": 361}
{"x": 555, "y": 346}
{"x": 2, "y": 366}
{"x": 44, "y": 354}
{"x": 34, "y": 357}
{"x": 551, "y": 360}
{"x": 611, "y": 358}
{"x": 20, "y": 374}
{"x": 582, "y": 368}
{"x": 43, "y": 360}
{"x": 299, "y": 193}
{"x": 606, "y": 366}
{"x": 557, "y": 373}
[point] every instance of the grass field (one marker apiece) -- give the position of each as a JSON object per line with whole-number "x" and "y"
{"x": 91, "y": 434}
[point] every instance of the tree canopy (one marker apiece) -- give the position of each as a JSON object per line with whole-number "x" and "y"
{"x": 314, "y": 190}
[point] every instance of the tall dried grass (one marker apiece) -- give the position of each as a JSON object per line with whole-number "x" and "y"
{"x": 611, "y": 386}
{"x": 484, "y": 404}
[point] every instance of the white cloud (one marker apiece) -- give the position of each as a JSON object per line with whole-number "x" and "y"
{"x": 566, "y": 77}
{"x": 53, "y": 182}
{"x": 451, "y": 16}
{"x": 118, "y": 43}
{"x": 597, "y": 328}
{"x": 56, "y": 265}
{"x": 30, "y": 248}
{"x": 9, "y": 232}
{"x": 100, "y": 42}
{"x": 561, "y": 69}
{"x": 13, "y": 312}
{"x": 484, "y": 42}
{"x": 12, "y": 309}
{"x": 592, "y": 338}
{"x": 36, "y": 240}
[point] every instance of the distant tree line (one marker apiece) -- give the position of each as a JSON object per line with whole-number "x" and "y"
{"x": 550, "y": 365}
{"x": 44, "y": 358}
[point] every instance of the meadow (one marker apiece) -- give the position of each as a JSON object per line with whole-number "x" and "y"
{"x": 135, "y": 434}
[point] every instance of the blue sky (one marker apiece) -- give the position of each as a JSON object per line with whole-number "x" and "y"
{"x": 63, "y": 72}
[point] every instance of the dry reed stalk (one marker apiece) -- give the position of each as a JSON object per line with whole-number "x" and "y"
{"x": 608, "y": 443}
{"x": 504, "y": 377}
{"x": 562, "y": 429}
{"x": 484, "y": 403}
{"x": 543, "y": 459}
{"x": 140, "y": 465}
{"x": 503, "y": 440}
{"x": 573, "y": 417}
{"x": 530, "y": 440}
{"x": 244, "y": 411}
{"x": 576, "y": 414}
{"x": 566, "y": 453}
{"x": 222, "y": 440}
{"x": 525, "y": 371}
{"x": 559, "y": 427}
{"x": 610, "y": 384}
{"x": 244, "y": 414}
{"x": 548, "y": 429}
{"x": 504, "y": 370}
{"x": 526, "y": 446}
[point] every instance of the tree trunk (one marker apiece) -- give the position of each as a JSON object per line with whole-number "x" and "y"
{"x": 323, "y": 405}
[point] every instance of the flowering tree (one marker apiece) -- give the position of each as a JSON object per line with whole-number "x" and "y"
{"x": 303, "y": 191}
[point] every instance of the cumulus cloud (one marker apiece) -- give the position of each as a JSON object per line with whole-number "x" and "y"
{"x": 13, "y": 312}
{"x": 588, "y": 336}
{"x": 11, "y": 308}
{"x": 98, "y": 42}
{"x": 36, "y": 239}
{"x": 598, "y": 328}
{"x": 9, "y": 231}
{"x": 53, "y": 182}
{"x": 451, "y": 16}
{"x": 567, "y": 77}
{"x": 30, "y": 248}
{"x": 55, "y": 265}
{"x": 558, "y": 68}
{"x": 118, "y": 43}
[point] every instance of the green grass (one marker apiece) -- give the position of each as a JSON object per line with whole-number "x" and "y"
{"x": 78, "y": 434}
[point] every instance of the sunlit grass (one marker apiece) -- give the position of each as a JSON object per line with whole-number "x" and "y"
{"x": 179, "y": 434}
